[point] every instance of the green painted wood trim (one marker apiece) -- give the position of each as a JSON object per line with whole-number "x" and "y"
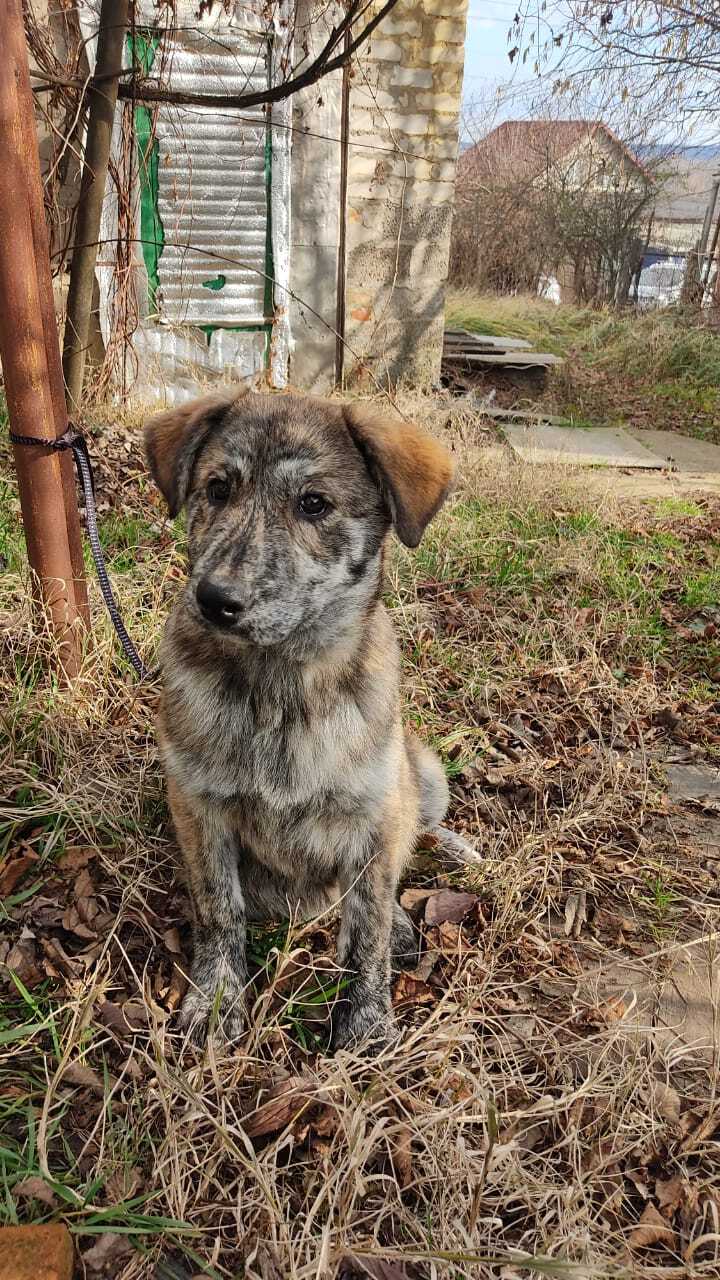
{"x": 142, "y": 51}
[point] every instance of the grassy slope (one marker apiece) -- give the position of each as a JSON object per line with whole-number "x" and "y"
{"x": 552, "y": 642}
{"x": 653, "y": 370}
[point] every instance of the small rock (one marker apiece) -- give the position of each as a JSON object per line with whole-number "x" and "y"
{"x": 698, "y": 783}
{"x": 36, "y": 1253}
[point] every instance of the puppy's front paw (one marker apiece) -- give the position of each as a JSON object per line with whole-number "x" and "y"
{"x": 368, "y": 1024}
{"x": 198, "y": 1012}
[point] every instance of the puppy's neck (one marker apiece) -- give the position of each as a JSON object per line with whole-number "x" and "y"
{"x": 278, "y": 668}
{"x": 308, "y": 664}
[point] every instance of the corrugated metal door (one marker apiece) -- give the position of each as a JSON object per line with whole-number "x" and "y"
{"x": 210, "y": 183}
{"x": 205, "y": 178}
{"x": 202, "y": 226}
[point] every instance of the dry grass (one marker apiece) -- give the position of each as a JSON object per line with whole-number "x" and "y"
{"x": 520, "y": 1127}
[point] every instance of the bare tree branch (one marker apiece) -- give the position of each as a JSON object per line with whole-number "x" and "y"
{"x": 323, "y": 65}
{"x": 147, "y": 90}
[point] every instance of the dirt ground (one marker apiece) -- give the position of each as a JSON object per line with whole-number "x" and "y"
{"x": 552, "y": 1107}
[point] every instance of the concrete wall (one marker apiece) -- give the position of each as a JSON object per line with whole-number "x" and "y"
{"x": 315, "y": 220}
{"x": 676, "y": 236}
{"x": 405, "y": 96}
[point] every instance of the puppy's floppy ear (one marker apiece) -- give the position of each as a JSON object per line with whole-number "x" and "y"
{"x": 413, "y": 471}
{"x": 172, "y": 441}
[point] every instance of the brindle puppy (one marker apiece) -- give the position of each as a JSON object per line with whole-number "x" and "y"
{"x": 290, "y": 778}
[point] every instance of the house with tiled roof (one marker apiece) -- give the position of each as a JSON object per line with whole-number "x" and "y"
{"x": 585, "y": 150}
{"x": 571, "y": 196}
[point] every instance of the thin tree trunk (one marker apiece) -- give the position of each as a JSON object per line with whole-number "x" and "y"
{"x": 102, "y": 97}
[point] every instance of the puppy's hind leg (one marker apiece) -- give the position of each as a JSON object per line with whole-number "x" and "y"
{"x": 434, "y": 799}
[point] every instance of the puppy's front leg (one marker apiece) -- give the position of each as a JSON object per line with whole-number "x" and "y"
{"x": 210, "y": 853}
{"x": 368, "y": 893}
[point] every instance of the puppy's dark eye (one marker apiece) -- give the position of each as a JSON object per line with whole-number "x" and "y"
{"x": 313, "y": 505}
{"x": 218, "y": 491}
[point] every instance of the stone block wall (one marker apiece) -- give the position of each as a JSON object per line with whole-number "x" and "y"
{"x": 405, "y": 97}
{"x": 316, "y": 213}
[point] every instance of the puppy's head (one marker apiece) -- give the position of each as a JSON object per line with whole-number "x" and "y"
{"x": 289, "y": 500}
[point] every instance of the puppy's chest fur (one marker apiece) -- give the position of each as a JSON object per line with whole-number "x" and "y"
{"x": 300, "y": 758}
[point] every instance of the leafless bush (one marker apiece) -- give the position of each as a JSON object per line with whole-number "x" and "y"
{"x": 548, "y": 197}
{"x": 58, "y": 55}
{"x": 663, "y": 55}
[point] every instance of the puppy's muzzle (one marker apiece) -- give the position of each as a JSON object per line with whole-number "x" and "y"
{"x": 217, "y": 605}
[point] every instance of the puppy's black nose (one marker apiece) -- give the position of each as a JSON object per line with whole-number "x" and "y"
{"x": 216, "y": 604}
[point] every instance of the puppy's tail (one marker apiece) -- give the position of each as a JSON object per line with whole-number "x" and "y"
{"x": 457, "y": 847}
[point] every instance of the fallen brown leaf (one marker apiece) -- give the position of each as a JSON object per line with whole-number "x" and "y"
{"x": 614, "y": 1009}
{"x": 76, "y": 856}
{"x": 136, "y": 1014}
{"x": 476, "y": 595}
{"x": 83, "y": 886}
{"x": 651, "y": 1229}
{"x": 57, "y": 961}
{"x": 670, "y": 1194}
{"x": 86, "y": 1077}
{"x": 21, "y": 959}
{"x": 411, "y": 990}
{"x": 666, "y": 1101}
{"x": 47, "y": 912}
{"x": 450, "y": 938}
{"x": 13, "y": 871}
{"x": 705, "y": 1128}
{"x": 72, "y": 922}
{"x": 449, "y": 905}
{"x": 111, "y": 1015}
{"x": 326, "y": 1122}
{"x": 110, "y": 1249}
{"x": 122, "y": 1184}
{"x": 171, "y": 938}
{"x": 496, "y": 777}
{"x": 411, "y": 899}
{"x": 426, "y": 964}
{"x": 34, "y": 1189}
{"x": 285, "y": 1103}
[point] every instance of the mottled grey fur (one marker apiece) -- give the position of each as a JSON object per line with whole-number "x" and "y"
{"x": 290, "y": 778}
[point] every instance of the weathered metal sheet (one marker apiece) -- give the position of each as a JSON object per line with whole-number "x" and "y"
{"x": 281, "y": 138}
{"x": 175, "y": 364}
{"x": 573, "y": 446}
{"x": 212, "y": 195}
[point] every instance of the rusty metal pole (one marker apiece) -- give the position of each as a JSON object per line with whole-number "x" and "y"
{"x": 41, "y": 242}
{"x": 102, "y": 97}
{"x": 24, "y": 359}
